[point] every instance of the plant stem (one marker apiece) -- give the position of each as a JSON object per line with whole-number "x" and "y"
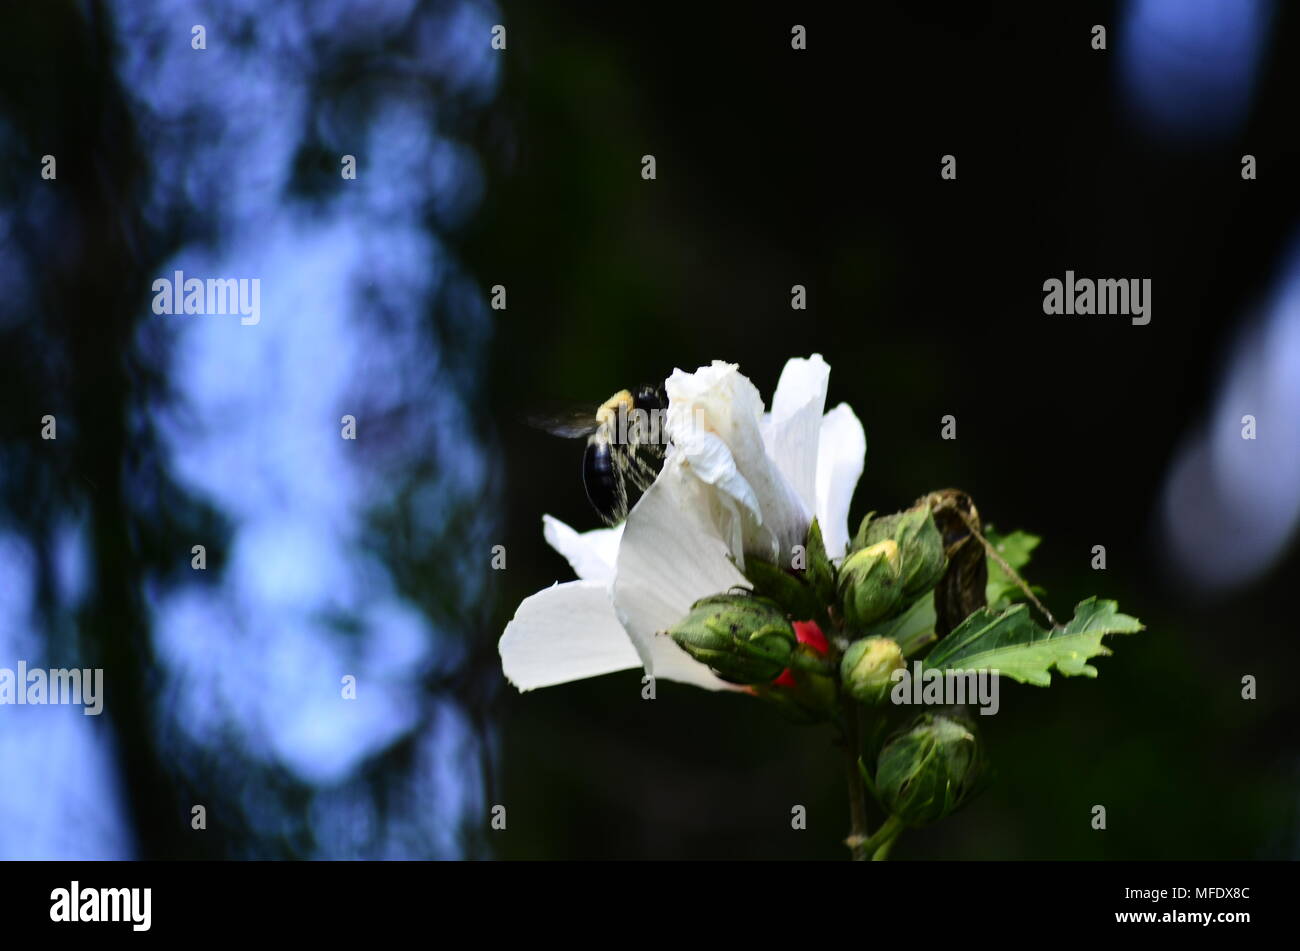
{"x": 879, "y": 844}
{"x": 857, "y": 840}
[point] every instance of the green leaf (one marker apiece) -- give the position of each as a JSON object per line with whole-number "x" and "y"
{"x": 859, "y": 540}
{"x": 912, "y": 629}
{"x": 1017, "y": 647}
{"x": 1016, "y": 548}
{"x": 783, "y": 587}
{"x": 821, "y": 573}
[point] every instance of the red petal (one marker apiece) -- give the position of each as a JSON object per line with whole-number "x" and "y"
{"x": 809, "y": 633}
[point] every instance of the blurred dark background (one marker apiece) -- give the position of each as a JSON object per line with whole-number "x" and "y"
{"x": 522, "y": 168}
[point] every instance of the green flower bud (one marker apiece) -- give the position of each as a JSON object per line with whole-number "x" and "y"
{"x": 868, "y": 666}
{"x": 930, "y": 769}
{"x": 870, "y": 584}
{"x": 919, "y": 543}
{"x": 742, "y": 638}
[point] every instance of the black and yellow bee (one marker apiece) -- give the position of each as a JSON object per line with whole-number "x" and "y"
{"x": 626, "y": 439}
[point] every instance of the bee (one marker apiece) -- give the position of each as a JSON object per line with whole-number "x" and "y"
{"x": 626, "y": 440}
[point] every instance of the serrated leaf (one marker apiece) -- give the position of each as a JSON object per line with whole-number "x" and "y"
{"x": 1016, "y": 549}
{"x": 1101, "y": 617}
{"x": 1015, "y": 645}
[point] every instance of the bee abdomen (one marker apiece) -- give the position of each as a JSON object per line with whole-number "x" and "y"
{"x": 601, "y": 479}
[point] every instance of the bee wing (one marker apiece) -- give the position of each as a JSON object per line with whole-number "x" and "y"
{"x": 566, "y": 422}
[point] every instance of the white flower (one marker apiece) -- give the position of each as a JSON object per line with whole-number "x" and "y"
{"x": 736, "y": 481}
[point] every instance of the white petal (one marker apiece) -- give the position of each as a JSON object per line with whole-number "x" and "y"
{"x": 712, "y": 462}
{"x": 566, "y": 632}
{"x": 796, "y": 421}
{"x": 803, "y": 380}
{"x": 673, "y": 663}
{"x": 841, "y": 453}
{"x": 715, "y": 422}
{"x": 670, "y": 558}
{"x": 591, "y": 554}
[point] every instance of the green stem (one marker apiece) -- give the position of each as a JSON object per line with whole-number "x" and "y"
{"x": 879, "y": 844}
{"x": 868, "y": 782}
{"x": 857, "y": 840}
{"x": 882, "y": 853}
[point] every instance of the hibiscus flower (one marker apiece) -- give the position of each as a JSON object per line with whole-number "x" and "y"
{"x": 736, "y": 481}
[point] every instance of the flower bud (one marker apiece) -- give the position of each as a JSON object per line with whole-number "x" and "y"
{"x": 870, "y": 585}
{"x": 919, "y": 543}
{"x": 742, "y": 638}
{"x": 930, "y": 769}
{"x": 868, "y": 666}
{"x": 806, "y": 691}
